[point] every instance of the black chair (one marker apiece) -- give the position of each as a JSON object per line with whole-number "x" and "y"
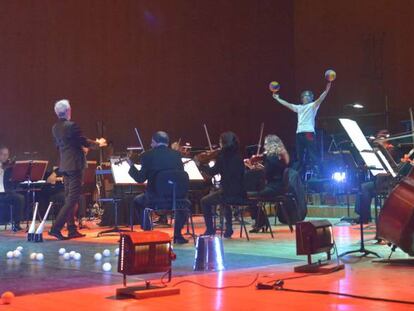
{"x": 239, "y": 208}
{"x": 278, "y": 201}
{"x": 254, "y": 182}
{"x": 282, "y": 199}
{"x": 171, "y": 189}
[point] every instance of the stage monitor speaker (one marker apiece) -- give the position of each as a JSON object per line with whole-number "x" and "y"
{"x": 313, "y": 237}
{"x": 145, "y": 252}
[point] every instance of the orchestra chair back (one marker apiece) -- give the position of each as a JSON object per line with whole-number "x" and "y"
{"x": 171, "y": 190}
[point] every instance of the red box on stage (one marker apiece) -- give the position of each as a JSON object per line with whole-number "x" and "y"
{"x": 145, "y": 252}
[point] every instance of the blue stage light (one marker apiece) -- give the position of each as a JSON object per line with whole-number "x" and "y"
{"x": 339, "y": 176}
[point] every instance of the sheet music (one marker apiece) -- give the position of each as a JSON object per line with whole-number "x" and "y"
{"x": 192, "y": 170}
{"x": 121, "y": 175}
{"x": 361, "y": 143}
{"x": 120, "y": 172}
{"x": 386, "y": 163}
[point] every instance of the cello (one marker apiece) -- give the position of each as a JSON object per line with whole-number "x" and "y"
{"x": 396, "y": 218}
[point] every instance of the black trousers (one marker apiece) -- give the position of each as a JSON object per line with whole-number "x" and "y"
{"x": 306, "y": 146}
{"x": 209, "y": 202}
{"x": 143, "y": 200}
{"x": 73, "y": 189}
{"x": 17, "y": 201}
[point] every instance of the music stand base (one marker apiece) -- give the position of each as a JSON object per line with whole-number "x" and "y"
{"x": 399, "y": 261}
{"x": 115, "y": 229}
{"x": 142, "y": 292}
{"x": 323, "y": 267}
{"x": 347, "y": 219}
{"x": 362, "y": 251}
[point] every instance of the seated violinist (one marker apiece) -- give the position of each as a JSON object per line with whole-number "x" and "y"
{"x": 275, "y": 161}
{"x": 7, "y": 193}
{"x": 229, "y": 164}
{"x": 159, "y": 158}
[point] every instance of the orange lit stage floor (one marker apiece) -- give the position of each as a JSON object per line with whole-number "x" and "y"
{"x": 56, "y": 284}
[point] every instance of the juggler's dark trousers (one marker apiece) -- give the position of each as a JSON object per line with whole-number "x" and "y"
{"x": 73, "y": 188}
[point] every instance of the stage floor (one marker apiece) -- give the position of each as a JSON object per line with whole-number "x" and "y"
{"x": 56, "y": 284}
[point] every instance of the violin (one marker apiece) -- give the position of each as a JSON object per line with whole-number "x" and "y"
{"x": 407, "y": 159}
{"x": 207, "y": 156}
{"x": 183, "y": 149}
{"x": 256, "y": 160}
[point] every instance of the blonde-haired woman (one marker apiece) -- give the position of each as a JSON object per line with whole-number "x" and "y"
{"x": 276, "y": 160}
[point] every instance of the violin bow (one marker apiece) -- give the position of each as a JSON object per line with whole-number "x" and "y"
{"x": 412, "y": 121}
{"x": 208, "y": 137}
{"x": 101, "y": 129}
{"x": 139, "y": 139}
{"x": 259, "y": 145}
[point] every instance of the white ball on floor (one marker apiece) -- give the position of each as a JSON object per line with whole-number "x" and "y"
{"x": 33, "y": 256}
{"x": 97, "y": 256}
{"x": 66, "y": 256}
{"x": 106, "y": 267}
{"x": 106, "y": 252}
{"x": 39, "y": 257}
{"x": 19, "y": 248}
{"x": 72, "y": 254}
{"x": 62, "y": 251}
{"x": 116, "y": 251}
{"x": 9, "y": 254}
{"x": 16, "y": 254}
{"x": 77, "y": 256}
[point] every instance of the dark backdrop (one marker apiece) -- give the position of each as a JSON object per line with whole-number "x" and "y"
{"x": 174, "y": 65}
{"x": 370, "y": 44}
{"x": 170, "y": 65}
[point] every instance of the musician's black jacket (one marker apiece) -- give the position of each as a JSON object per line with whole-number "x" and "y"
{"x": 230, "y": 166}
{"x": 153, "y": 161}
{"x": 69, "y": 140}
{"x": 8, "y": 184}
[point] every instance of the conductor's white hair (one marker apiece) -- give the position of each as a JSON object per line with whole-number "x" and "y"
{"x": 62, "y": 107}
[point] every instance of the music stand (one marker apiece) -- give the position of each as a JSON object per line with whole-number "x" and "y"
{"x": 374, "y": 164}
{"x": 120, "y": 174}
{"x": 29, "y": 172}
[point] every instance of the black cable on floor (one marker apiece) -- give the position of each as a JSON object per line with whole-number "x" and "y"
{"x": 217, "y": 287}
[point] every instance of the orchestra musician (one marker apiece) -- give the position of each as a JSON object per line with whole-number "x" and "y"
{"x": 275, "y": 161}
{"x": 159, "y": 158}
{"x": 229, "y": 164}
{"x": 72, "y": 147}
{"x": 8, "y": 195}
{"x": 305, "y": 132}
{"x": 370, "y": 188}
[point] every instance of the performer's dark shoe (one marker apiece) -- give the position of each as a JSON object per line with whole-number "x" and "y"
{"x": 16, "y": 227}
{"x": 227, "y": 234}
{"x": 258, "y": 229}
{"x": 57, "y": 235}
{"x": 180, "y": 240}
{"x": 75, "y": 234}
